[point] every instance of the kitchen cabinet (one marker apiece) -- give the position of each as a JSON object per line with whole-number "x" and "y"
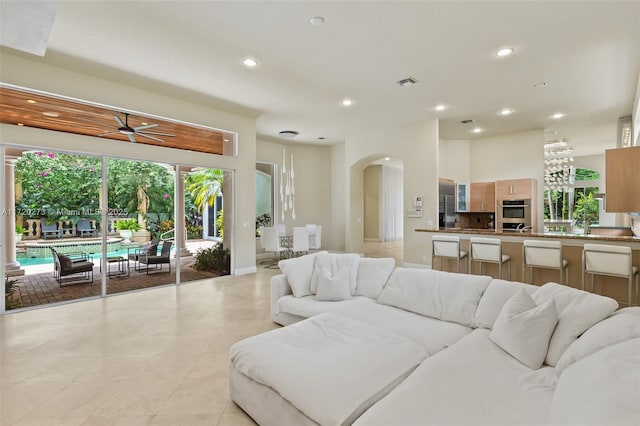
{"x": 462, "y": 197}
{"x": 515, "y": 189}
{"x": 623, "y": 180}
{"x": 482, "y": 197}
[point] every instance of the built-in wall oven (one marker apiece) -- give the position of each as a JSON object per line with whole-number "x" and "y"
{"x": 514, "y": 215}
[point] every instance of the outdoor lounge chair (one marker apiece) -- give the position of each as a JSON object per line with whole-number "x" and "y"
{"x": 149, "y": 249}
{"x": 70, "y": 264}
{"x": 51, "y": 229}
{"x": 85, "y": 226}
{"x": 157, "y": 259}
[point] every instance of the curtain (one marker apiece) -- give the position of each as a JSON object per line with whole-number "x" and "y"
{"x": 391, "y": 204}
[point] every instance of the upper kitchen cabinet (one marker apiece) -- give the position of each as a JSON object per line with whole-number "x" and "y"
{"x": 482, "y": 197}
{"x": 515, "y": 189}
{"x": 623, "y": 180}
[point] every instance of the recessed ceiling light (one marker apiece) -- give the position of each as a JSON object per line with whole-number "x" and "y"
{"x": 441, "y": 107}
{"x": 20, "y": 124}
{"x": 289, "y": 134}
{"x": 476, "y": 130}
{"x": 406, "y": 82}
{"x": 347, "y": 102}
{"x": 467, "y": 121}
{"x": 557, "y": 115}
{"x": 540, "y": 84}
{"x": 31, "y": 101}
{"x": 506, "y": 51}
{"x": 226, "y": 140}
{"x": 144, "y": 124}
{"x": 250, "y": 62}
{"x": 387, "y": 158}
{"x": 51, "y": 114}
{"x": 317, "y": 20}
{"x": 506, "y": 111}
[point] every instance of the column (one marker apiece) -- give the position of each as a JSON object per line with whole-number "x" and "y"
{"x": 180, "y": 219}
{"x": 12, "y": 267}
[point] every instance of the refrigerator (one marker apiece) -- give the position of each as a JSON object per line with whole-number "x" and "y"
{"x": 447, "y": 205}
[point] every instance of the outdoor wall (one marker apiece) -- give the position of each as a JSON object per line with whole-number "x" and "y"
{"x": 454, "y": 160}
{"x": 372, "y": 181}
{"x": 312, "y": 167}
{"x": 417, "y": 146}
{"x": 36, "y": 73}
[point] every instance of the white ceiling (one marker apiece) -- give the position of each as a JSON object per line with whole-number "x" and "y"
{"x": 587, "y": 51}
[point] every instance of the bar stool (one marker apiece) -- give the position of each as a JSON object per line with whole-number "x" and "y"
{"x": 487, "y": 250}
{"x": 543, "y": 254}
{"x": 614, "y": 261}
{"x": 445, "y": 247}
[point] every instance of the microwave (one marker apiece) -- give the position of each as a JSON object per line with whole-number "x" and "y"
{"x": 514, "y": 211}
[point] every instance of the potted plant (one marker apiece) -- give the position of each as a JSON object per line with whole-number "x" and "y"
{"x": 126, "y": 227}
{"x": 20, "y": 230}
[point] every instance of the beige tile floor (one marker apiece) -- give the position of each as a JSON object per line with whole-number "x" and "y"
{"x": 155, "y": 357}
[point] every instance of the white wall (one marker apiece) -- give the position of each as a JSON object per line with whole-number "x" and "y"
{"x": 312, "y": 168}
{"x": 36, "y": 73}
{"x": 417, "y": 146}
{"x": 338, "y": 197}
{"x": 454, "y": 160}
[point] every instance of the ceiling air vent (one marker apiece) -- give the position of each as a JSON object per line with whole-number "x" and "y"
{"x": 467, "y": 121}
{"x": 405, "y": 82}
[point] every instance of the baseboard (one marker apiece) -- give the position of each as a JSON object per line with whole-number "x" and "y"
{"x": 415, "y": 265}
{"x": 245, "y": 271}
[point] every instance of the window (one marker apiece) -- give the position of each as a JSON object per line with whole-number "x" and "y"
{"x": 576, "y": 205}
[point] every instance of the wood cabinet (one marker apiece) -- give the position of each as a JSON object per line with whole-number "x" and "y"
{"x": 515, "y": 189}
{"x": 623, "y": 180}
{"x": 482, "y": 197}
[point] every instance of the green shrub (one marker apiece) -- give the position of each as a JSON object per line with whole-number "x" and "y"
{"x": 128, "y": 225}
{"x": 20, "y": 229}
{"x": 10, "y": 287}
{"x": 215, "y": 259}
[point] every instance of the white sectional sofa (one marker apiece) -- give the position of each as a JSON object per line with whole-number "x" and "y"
{"x": 401, "y": 346}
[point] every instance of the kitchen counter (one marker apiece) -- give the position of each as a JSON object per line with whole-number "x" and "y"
{"x": 555, "y": 235}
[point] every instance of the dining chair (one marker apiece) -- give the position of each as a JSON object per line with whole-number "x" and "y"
{"x": 488, "y": 250}
{"x": 271, "y": 243}
{"x": 546, "y": 255}
{"x": 609, "y": 260}
{"x": 300, "y": 241}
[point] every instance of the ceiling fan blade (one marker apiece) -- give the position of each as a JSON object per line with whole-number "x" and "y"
{"x": 150, "y": 137}
{"x": 155, "y": 133}
{"x": 131, "y": 139}
{"x": 107, "y": 133}
{"x": 119, "y": 121}
{"x": 146, "y": 126}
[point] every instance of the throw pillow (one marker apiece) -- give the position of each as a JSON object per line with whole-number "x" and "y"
{"x": 577, "y": 311}
{"x": 373, "y": 275}
{"x": 333, "y": 288}
{"x": 333, "y": 262}
{"x": 298, "y": 272}
{"x": 523, "y": 329}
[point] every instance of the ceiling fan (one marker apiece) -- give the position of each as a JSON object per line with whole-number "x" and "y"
{"x": 131, "y": 132}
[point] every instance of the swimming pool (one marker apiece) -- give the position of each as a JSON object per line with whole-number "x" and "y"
{"x": 29, "y": 261}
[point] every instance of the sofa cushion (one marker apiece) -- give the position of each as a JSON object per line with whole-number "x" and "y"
{"x": 373, "y": 275}
{"x": 473, "y": 382}
{"x": 601, "y": 389}
{"x": 432, "y": 334}
{"x": 442, "y": 295}
{"x": 298, "y": 272}
{"x": 494, "y": 298}
{"x": 620, "y": 326}
{"x": 333, "y": 287}
{"x": 577, "y": 311}
{"x": 334, "y": 262}
{"x": 523, "y": 329}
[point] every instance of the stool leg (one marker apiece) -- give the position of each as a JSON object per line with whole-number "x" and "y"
{"x": 630, "y": 288}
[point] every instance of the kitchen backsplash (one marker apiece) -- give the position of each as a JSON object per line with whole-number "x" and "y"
{"x": 635, "y": 224}
{"x": 475, "y": 220}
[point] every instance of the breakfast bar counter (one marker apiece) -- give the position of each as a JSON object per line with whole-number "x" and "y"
{"x": 572, "y": 252}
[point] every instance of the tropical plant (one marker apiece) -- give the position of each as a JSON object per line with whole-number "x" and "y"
{"x": 220, "y": 223}
{"x": 128, "y": 225}
{"x": 10, "y": 287}
{"x": 586, "y": 209}
{"x": 20, "y": 229}
{"x": 205, "y": 186}
{"x": 214, "y": 259}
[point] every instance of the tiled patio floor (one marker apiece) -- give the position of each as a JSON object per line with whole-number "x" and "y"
{"x": 42, "y": 288}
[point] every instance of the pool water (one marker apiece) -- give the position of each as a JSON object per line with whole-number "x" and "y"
{"x": 28, "y": 261}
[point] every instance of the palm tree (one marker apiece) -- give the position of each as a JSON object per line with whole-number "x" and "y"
{"x": 205, "y": 186}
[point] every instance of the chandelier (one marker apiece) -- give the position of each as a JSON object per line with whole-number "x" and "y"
{"x": 287, "y": 188}
{"x": 559, "y": 173}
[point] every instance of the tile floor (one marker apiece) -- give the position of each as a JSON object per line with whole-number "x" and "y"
{"x": 156, "y": 357}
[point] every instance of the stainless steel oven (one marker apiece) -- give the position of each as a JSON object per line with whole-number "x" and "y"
{"x": 514, "y": 214}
